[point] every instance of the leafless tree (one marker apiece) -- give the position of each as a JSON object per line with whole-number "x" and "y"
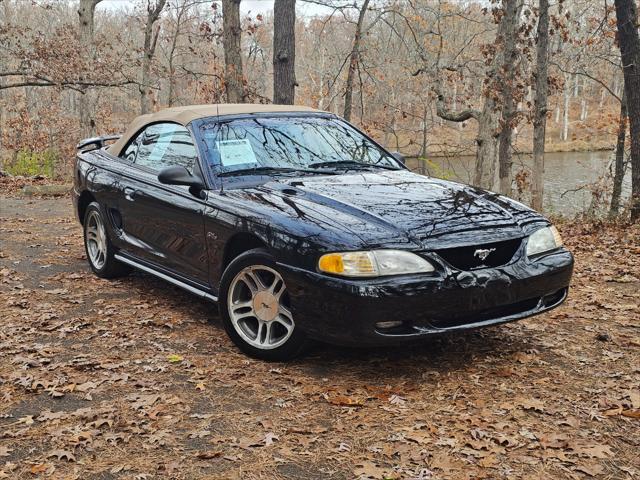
{"x": 354, "y": 58}
{"x": 540, "y": 108}
{"x": 284, "y": 51}
{"x": 181, "y": 12}
{"x": 232, "y": 34}
{"x": 507, "y": 78}
{"x": 151, "y": 32}
{"x": 629, "y": 42}
{"x": 86, "y": 14}
{"x": 619, "y": 164}
{"x": 488, "y": 118}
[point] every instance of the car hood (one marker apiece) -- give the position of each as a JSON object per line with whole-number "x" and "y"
{"x": 397, "y": 208}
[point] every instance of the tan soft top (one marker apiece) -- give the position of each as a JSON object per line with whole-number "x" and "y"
{"x": 185, "y": 115}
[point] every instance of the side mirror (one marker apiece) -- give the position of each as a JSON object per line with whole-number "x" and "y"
{"x": 399, "y": 157}
{"x": 178, "y": 175}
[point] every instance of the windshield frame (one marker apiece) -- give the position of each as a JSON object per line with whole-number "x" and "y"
{"x": 213, "y": 172}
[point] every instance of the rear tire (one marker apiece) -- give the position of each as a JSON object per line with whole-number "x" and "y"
{"x": 97, "y": 245}
{"x": 255, "y": 308}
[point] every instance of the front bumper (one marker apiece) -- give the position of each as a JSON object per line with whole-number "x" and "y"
{"x": 345, "y": 312}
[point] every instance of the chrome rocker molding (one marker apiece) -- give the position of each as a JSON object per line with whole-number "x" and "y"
{"x": 178, "y": 283}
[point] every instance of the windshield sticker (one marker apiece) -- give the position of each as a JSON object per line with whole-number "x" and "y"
{"x": 236, "y": 152}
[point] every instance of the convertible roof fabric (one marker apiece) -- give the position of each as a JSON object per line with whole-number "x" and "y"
{"x": 185, "y": 115}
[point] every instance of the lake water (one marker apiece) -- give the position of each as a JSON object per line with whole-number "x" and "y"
{"x": 568, "y": 181}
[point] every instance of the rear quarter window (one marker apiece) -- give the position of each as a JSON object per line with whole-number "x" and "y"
{"x": 131, "y": 150}
{"x": 165, "y": 145}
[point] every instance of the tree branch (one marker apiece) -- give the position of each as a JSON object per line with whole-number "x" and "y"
{"x": 41, "y": 81}
{"x": 585, "y": 74}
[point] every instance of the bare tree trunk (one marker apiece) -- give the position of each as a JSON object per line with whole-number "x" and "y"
{"x": 629, "y": 42}
{"x": 231, "y": 37}
{"x": 488, "y": 126}
{"x": 321, "y": 93}
{"x": 584, "y": 109}
{"x": 618, "y": 175}
{"x": 151, "y": 32}
{"x": 172, "y": 52}
{"x": 454, "y": 96}
{"x": 510, "y": 21}
{"x": 353, "y": 61}
{"x": 564, "y": 134}
{"x": 3, "y": 118}
{"x": 284, "y": 52}
{"x": 487, "y": 141}
{"x": 423, "y": 148}
{"x": 488, "y": 121}
{"x": 86, "y": 15}
{"x": 542, "y": 95}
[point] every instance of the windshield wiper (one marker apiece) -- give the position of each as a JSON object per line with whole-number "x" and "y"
{"x": 349, "y": 164}
{"x": 268, "y": 170}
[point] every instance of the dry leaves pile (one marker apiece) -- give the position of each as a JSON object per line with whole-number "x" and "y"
{"x": 14, "y": 184}
{"x": 136, "y": 379}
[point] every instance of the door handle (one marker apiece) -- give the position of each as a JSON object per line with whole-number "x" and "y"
{"x": 128, "y": 193}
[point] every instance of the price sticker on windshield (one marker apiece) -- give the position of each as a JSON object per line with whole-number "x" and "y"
{"x": 236, "y": 152}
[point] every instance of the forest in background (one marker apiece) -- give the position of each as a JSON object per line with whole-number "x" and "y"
{"x": 424, "y": 77}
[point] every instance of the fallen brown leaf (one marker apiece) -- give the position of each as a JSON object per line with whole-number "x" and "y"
{"x": 369, "y": 470}
{"x": 62, "y": 455}
{"x": 344, "y": 401}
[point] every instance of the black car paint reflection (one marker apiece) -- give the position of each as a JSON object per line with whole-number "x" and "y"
{"x": 298, "y": 218}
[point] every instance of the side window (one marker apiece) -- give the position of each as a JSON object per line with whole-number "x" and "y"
{"x": 129, "y": 153}
{"x": 165, "y": 145}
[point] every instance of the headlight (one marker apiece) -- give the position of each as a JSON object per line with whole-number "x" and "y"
{"x": 374, "y": 263}
{"x": 543, "y": 240}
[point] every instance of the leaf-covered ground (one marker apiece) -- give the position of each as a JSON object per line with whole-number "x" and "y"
{"x": 136, "y": 379}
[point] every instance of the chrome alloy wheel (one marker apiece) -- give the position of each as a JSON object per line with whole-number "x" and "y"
{"x": 96, "y": 240}
{"x": 259, "y": 308}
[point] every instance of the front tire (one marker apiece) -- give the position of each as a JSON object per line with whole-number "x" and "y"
{"x": 255, "y": 308}
{"x": 100, "y": 252}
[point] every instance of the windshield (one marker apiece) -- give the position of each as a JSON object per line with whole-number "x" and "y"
{"x": 304, "y": 145}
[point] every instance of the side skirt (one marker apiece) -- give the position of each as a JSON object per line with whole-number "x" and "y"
{"x": 175, "y": 281}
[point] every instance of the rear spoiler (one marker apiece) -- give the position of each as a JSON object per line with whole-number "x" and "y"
{"x": 95, "y": 143}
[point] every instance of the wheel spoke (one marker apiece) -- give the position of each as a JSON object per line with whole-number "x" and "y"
{"x": 92, "y": 233}
{"x": 267, "y": 334}
{"x": 264, "y": 333}
{"x": 277, "y": 288}
{"x": 253, "y": 282}
{"x": 255, "y": 277}
{"x": 239, "y": 305}
{"x": 285, "y": 322}
{"x": 260, "y": 332}
{"x": 285, "y": 314}
{"x": 240, "y": 316}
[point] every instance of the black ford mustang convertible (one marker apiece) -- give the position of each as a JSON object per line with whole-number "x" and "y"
{"x": 301, "y": 227}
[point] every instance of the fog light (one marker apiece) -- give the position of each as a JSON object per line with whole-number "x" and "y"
{"x": 387, "y": 325}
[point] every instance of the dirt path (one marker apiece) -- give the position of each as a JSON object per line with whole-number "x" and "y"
{"x": 136, "y": 379}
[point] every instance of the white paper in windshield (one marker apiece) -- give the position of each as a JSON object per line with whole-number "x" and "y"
{"x": 236, "y": 152}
